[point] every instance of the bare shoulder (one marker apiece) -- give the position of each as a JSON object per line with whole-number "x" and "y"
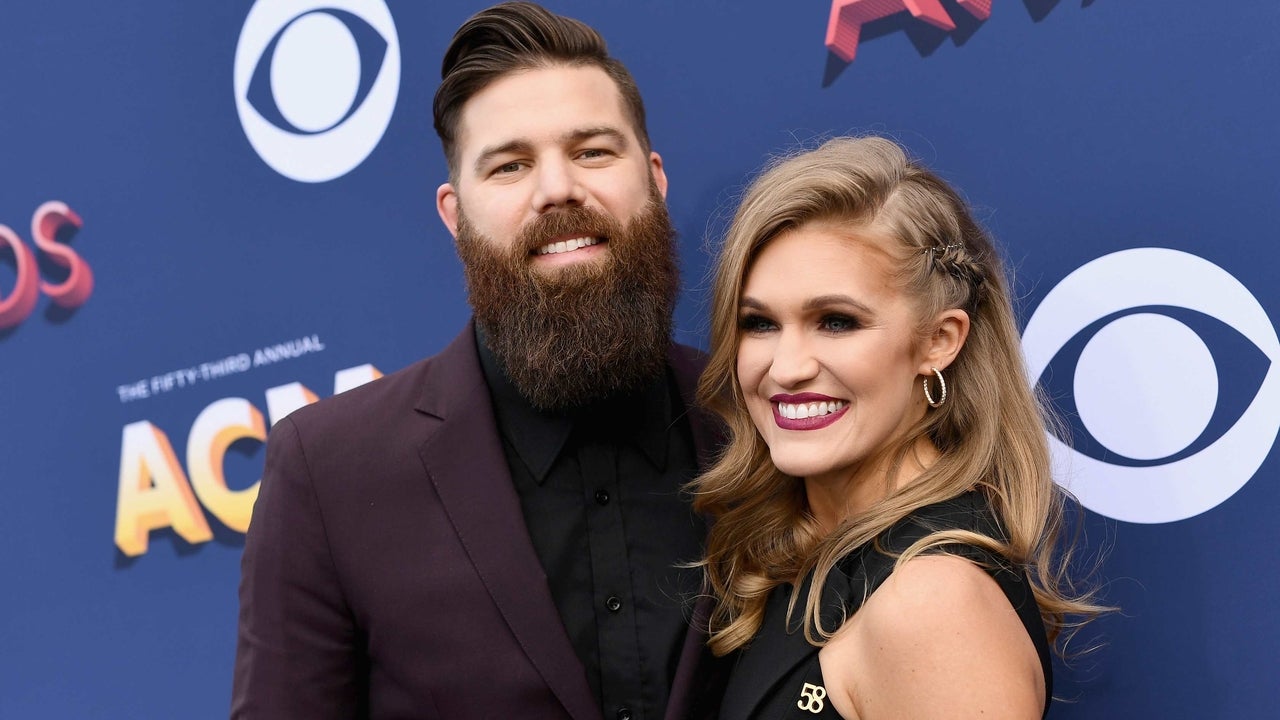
{"x": 937, "y": 639}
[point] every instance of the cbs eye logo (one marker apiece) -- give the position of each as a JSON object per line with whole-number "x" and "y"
{"x": 1164, "y": 428}
{"x": 316, "y": 82}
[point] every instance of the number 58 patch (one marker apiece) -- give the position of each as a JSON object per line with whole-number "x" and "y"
{"x": 811, "y": 698}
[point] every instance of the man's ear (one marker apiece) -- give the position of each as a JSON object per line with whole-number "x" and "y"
{"x": 447, "y": 206}
{"x": 950, "y": 330}
{"x": 656, "y": 171}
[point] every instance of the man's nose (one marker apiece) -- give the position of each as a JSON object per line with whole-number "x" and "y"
{"x": 558, "y": 185}
{"x": 794, "y": 362}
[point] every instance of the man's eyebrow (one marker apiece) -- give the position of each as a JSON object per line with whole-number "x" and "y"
{"x": 606, "y": 131}
{"x": 511, "y": 146}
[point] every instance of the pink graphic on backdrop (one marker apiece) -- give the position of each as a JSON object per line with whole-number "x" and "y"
{"x": 19, "y": 303}
{"x": 848, "y": 16}
{"x": 50, "y": 220}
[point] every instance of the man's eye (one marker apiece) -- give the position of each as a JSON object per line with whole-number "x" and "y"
{"x": 593, "y": 153}
{"x": 508, "y": 168}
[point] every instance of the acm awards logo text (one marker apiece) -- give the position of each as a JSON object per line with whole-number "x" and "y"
{"x": 155, "y": 492}
{"x": 52, "y": 225}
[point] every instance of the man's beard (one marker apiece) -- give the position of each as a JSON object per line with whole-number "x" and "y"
{"x": 568, "y": 336}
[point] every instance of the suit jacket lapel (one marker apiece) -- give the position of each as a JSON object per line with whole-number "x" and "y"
{"x": 464, "y": 459}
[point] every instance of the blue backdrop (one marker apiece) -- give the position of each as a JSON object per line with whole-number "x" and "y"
{"x": 178, "y": 269}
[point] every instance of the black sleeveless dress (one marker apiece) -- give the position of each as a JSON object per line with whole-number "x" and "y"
{"x": 778, "y": 676}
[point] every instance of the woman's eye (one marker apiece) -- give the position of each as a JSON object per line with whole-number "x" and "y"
{"x": 755, "y": 324}
{"x": 839, "y": 323}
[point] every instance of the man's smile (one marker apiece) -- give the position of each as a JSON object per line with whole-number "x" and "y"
{"x": 569, "y": 250}
{"x": 564, "y": 246}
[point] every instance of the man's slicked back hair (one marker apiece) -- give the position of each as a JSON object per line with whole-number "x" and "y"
{"x": 515, "y": 36}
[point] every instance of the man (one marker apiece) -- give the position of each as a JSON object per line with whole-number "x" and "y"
{"x": 497, "y": 531}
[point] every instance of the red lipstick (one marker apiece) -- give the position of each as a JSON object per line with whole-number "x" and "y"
{"x": 809, "y": 423}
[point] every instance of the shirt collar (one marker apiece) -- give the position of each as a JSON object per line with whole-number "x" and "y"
{"x": 642, "y": 418}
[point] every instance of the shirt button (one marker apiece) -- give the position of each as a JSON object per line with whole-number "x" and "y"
{"x": 615, "y": 604}
{"x": 602, "y": 497}
{"x": 624, "y": 713}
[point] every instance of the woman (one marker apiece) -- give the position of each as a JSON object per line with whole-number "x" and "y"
{"x": 886, "y": 528}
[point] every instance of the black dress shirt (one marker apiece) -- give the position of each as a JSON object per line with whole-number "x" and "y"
{"x": 600, "y": 491}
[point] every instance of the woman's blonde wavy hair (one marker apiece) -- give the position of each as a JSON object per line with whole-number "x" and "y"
{"x": 991, "y": 432}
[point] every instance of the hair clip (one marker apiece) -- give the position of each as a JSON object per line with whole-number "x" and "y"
{"x": 944, "y": 249}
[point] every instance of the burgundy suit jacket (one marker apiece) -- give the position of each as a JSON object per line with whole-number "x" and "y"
{"x": 388, "y": 573}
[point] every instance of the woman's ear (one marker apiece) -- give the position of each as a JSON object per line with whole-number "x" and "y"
{"x": 950, "y": 330}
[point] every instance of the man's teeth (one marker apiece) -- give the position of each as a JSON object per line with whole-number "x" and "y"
{"x": 566, "y": 246}
{"x": 801, "y": 411}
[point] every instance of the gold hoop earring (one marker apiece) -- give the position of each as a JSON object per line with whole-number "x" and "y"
{"x": 928, "y": 396}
